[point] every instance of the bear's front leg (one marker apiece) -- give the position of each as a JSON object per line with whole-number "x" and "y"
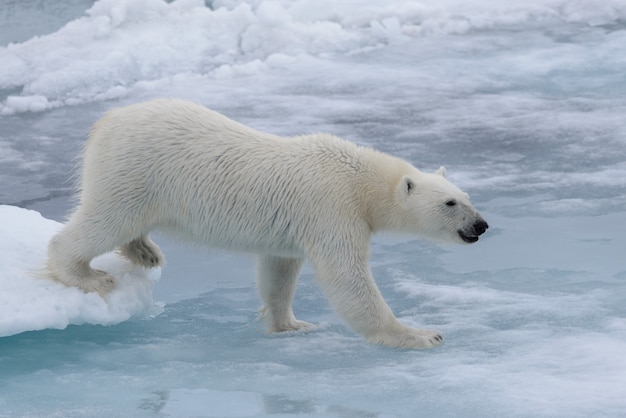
{"x": 355, "y": 297}
{"x": 276, "y": 279}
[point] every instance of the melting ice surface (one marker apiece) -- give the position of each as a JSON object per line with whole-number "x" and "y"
{"x": 523, "y": 102}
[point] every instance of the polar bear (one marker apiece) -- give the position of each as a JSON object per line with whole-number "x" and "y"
{"x": 179, "y": 167}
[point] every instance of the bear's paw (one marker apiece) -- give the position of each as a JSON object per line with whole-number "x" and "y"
{"x": 407, "y": 337}
{"x": 98, "y": 281}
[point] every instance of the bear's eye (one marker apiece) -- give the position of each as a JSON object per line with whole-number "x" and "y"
{"x": 451, "y": 203}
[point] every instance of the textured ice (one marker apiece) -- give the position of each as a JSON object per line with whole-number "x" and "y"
{"x": 119, "y": 46}
{"x": 523, "y": 102}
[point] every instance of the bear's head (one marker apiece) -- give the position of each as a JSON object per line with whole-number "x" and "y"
{"x": 433, "y": 207}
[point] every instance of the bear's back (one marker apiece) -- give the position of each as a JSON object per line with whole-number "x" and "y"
{"x": 174, "y": 134}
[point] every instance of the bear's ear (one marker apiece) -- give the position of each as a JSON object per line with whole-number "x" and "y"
{"x": 408, "y": 185}
{"x": 442, "y": 172}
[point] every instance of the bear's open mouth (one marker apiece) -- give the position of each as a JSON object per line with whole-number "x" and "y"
{"x": 467, "y": 238}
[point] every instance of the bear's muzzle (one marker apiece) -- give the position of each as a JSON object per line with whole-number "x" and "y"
{"x": 474, "y": 232}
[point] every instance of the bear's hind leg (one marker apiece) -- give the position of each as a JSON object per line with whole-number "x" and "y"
{"x": 70, "y": 252}
{"x": 87, "y": 234}
{"x": 276, "y": 280}
{"x": 144, "y": 252}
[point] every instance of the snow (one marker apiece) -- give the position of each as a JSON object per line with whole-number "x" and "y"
{"x": 522, "y": 102}
{"x": 31, "y": 301}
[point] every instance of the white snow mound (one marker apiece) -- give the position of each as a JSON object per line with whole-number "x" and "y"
{"x": 29, "y": 301}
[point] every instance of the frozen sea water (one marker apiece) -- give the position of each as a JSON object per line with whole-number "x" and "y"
{"x": 523, "y": 103}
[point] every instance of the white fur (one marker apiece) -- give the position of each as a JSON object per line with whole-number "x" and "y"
{"x": 179, "y": 167}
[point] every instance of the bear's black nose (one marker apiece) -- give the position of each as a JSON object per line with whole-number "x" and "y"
{"x": 480, "y": 227}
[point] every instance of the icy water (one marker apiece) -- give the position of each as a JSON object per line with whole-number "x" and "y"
{"x": 525, "y": 105}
